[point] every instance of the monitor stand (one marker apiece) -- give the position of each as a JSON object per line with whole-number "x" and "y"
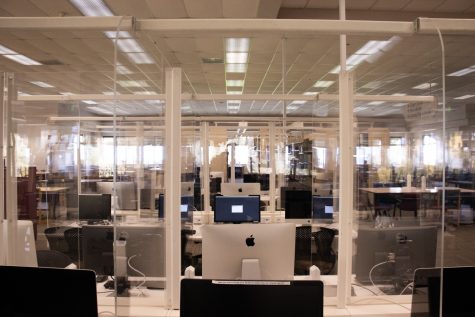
{"x": 251, "y": 269}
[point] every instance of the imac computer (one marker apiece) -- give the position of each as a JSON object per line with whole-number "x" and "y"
{"x": 186, "y": 205}
{"x": 52, "y": 292}
{"x": 24, "y": 244}
{"x": 392, "y": 254}
{"x": 298, "y": 206}
{"x": 323, "y": 208}
{"x": 250, "y": 298}
{"x": 456, "y": 300}
{"x": 94, "y": 207}
{"x": 145, "y": 251}
{"x": 248, "y": 251}
{"x": 240, "y": 189}
{"x": 237, "y": 209}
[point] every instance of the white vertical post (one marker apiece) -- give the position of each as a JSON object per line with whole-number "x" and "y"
{"x": 346, "y": 189}
{"x": 205, "y": 165}
{"x": 233, "y": 162}
{"x": 3, "y": 247}
{"x": 272, "y": 205}
{"x": 172, "y": 186}
{"x": 139, "y": 167}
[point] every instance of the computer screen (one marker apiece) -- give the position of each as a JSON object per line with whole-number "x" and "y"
{"x": 51, "y": 292}
{"x": 323, "y": 208}
{"x": 237, "y": 209}
{"x": 93, "y": 207}
{"x": 456, "y": 301}
{"x": 413, "y": 247}
{"x": 250, "y": 298}
{"x": 298, "y": 205}
{"x": 240, "y": 189}
{"x": 145, "y": 251}
{"x": 226, "y": 245}
{"x": 262, "y": 179}
{"x": 187, "y": 204}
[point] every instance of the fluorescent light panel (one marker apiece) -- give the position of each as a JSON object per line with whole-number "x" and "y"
{"x": 129, "y": 46}
{"x": 92, "y": 8}
{"x": 463, "y": 72}
{"x": 310, "y": 93}
{"x": 464, "y": 97}
{"x": 237, "y": 44}
{"x": 236, "y": 58}
{"x": 42, "y": 84}
{"x": 16, "y": 57}
{"x": 89, "y": 102}
{"x": 140, "y": 58}
{"x": 121, "y": 34}
{"x": 323, "y": 83}
{"x": 371, "y": 47}
{"x": 133, "y": 83}
{"x": 236, "y": 68}
{"x": 425, "y": 86}
{"x": 234, "y": 92}
{"x": 5, "y": 50}
{"x": 375, "y": 103}
{"x": 146, "y": 92}
{"x": 100, "y": 110}
{"x": 234, "y": 83}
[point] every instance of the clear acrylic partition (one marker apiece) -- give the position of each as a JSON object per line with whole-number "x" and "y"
{"x": 399, "y": 163}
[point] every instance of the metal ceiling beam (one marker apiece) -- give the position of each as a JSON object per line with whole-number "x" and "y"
{"x": 274, "y": 26}
{"x": 67, "y": 23}
{"x": 446, "y": 26}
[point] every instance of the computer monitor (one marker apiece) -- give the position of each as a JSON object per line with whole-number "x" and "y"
{"x": 52, "y": 292}
{"x": 145, "y": 251}
{"x": 240, "y": 189}
{"x": 94, "y": 207}
{"x": 298, "y": 206}
{"x": 262, "y": 179}
{"x": 186, "y": 205}
{"x": 456, "y": 300}
{"x": 413, "y": 247}
{"x": 237, "y": 209}
{"x": 323, "y": 208}
{"x": 270, "y": 247}
{"x": 250, "y": 298}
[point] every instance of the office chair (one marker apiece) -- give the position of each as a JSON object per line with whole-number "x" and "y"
{"x": 407, "y": 202}
{"x": 56, "y": 240}
{"x": 325, "y": 257}
{"x": 53, "y": 258}
{"x": 452, "y": 203}
{"x": 73, "y": 239}
{"x": 303, "y": 250}
{"x": 187, "y": 258}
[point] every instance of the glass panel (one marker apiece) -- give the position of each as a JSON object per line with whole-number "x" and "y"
{"x": 399, "y": 161}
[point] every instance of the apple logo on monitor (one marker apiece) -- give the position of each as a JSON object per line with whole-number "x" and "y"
{"x": 250, "y": 241}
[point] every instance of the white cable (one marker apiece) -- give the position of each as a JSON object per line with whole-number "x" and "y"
{"x": 371, "y": 271}
{"x": 106, "y": 313}
{"x": 139, "y": 272}
{"x": 410, "y": 285}
{"x": 383, "y": 299}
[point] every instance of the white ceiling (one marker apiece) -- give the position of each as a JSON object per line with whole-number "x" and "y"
{"x": 82, "y": 61}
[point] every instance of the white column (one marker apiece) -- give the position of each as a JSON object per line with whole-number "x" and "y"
{"x": 205, "y": 165}
{"x": 233, "y": 162}
{"x": 273, "y": 165}
{"x": 346, "y": 189}
{"x": 172, "y": 186}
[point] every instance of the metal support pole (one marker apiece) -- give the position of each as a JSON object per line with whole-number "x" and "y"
{"x": 172, "y": 186}
{"x": 233, "y": 162}
{"x": 205, "y": 165}
{"x": 272, "y": 206}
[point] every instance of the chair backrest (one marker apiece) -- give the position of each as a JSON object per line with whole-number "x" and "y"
{"x": 325, "y": 256}
{"x": 409, "y": 202}
{"x": 73, "y": 239}
{"x": 452, "y": 198}
{"x": 55, "y": 237}
{"x": 52, "y": 258}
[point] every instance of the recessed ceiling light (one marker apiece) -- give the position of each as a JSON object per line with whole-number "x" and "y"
{"x": 356, "y": 59}
{"x": 236, "y": 58}
{"x": 120, "y": 34}
{"x": 371, "y": 47}
{"x": 89, "y": 102}
{"x": 425, "y": 86}
{"x": 129, "y": 46}
{"x": 399, "y": 94}
{"x": 66, "y": 93}
{"x": 212, "y": 60}
{"x": 5, "y": 50}
{"x": 94, "y": 8}
{"x": 147, "y": 92}
{"x": 360, "y": 108}
{"x": 100, "y": 110}
{"x": 140, "y": 58}
{"x": 375, "y": 103}
{"x": 132, "y": 83}
{"x": 123, "y": 70}
{"x": 20, "y": 93}
{"x": 234, "y": 83}
{"x": 234, "y": 92}
{"x": 237, "y": 44}
{"x": 323, "y": 83}
{"x": 399, "y": 104}
{"x": 236, "y": 68}
{"x": 310, "y": 93}
{"x": 298, "y": 102}
{"x": 42, "y": 84}
{"x": 464, "y": 97}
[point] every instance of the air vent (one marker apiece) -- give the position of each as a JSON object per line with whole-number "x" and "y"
{"x": 51, "y": 62}
{"x": 212, "y": 60}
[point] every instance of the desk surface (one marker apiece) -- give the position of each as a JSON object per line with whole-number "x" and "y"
{"x": 411, "y": 190}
